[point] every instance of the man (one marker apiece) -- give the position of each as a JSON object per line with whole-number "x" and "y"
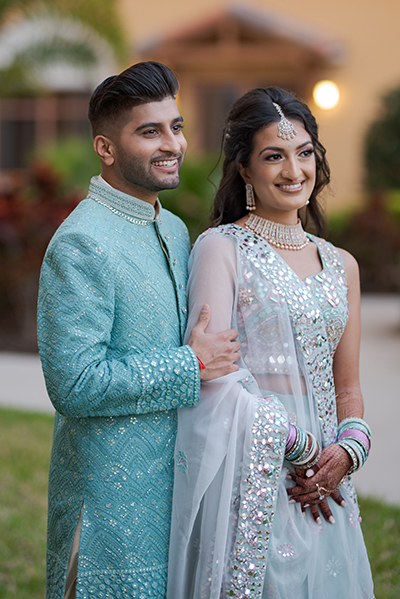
{"x": 111, "y": 320}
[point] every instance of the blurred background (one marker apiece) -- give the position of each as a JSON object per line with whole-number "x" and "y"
{"x": 341, "y": 57}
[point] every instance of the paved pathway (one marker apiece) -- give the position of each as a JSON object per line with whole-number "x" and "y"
{"x": 22, "y": 386}
{"x": 380, "y": 381}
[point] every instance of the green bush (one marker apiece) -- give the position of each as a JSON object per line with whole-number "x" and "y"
{"x": 192, "y": 200}
{"x": 73, "y": 160}
{"x": 382, "y": 146}
{"x": 393, "y": 202}
{"x": 372, "y": 235}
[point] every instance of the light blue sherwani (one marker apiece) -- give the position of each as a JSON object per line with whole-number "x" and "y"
{"x": 111, "y": 319}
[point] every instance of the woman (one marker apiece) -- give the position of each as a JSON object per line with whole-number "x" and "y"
{"x": 245, "y": 522}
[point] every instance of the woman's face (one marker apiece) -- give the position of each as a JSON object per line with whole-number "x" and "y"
{"x": 282, "y": 173}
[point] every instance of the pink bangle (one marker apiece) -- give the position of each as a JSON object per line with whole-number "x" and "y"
{"x": 291, "y": 438}
{"x": 352, "y": 432}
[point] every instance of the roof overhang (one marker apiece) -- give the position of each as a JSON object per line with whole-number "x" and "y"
{"x": 246, "y": 29}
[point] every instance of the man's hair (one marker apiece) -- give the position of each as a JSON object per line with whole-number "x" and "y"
{"x": 141, "y": 83}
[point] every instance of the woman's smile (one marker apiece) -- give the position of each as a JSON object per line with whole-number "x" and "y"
{"x": 290, "y": 187}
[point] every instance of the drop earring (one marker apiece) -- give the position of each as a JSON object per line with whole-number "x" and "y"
{"x": 250, "y": 203}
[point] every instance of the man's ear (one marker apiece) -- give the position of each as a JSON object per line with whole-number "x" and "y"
{"x": 105, "y": 149}
{"x": 243, "y": 172}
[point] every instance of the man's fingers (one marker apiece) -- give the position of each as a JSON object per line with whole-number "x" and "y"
{"x": 235, "y": 346}
{"x": 211, "y": 373}
{"x": 204, "y": 319}
{"x": 217, "y": 351}
{"x": 231, "y": 334}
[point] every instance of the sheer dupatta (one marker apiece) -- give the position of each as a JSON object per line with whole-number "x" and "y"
{"x": 230, "y": 447}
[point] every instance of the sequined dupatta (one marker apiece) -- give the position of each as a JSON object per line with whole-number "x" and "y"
{"x": 317, "y": 309}
{"x": 229, "y": 454}
{"x": 229, "y": 449}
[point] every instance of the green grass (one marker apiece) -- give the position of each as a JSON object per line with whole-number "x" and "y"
{"x": 25, "y": 441}
{"x": 381, "y": 528}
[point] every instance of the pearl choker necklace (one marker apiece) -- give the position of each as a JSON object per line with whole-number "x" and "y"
{"x": 284, "y": 237}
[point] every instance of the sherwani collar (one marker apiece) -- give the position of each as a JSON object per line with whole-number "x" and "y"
{"x": 121, "y": 203}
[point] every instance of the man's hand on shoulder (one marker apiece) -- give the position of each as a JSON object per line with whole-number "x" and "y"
{"x": 217, "y": 351}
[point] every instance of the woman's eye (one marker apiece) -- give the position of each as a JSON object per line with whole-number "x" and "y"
{"x": 273, "y": 157}
{"x": 308, "y": 152}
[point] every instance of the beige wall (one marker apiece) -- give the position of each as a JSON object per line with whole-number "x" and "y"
{"x": 370, "y": 32}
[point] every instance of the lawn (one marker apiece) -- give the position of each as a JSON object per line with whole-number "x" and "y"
{"x": 25, "y": 441}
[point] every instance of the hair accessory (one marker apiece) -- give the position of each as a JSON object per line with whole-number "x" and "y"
{"x": 285, "y": 127}
{"x": 285, "y": 237}
{"x": 250, "y": 203}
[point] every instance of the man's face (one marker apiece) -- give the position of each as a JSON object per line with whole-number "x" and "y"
{"x": 150, "y": 150}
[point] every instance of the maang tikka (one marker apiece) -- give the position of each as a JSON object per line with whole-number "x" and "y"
{"x": 285, "y": 127}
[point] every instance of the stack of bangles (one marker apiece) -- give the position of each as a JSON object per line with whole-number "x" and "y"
{"x": 302, "y": 449}
{"x": 354, "y": 435}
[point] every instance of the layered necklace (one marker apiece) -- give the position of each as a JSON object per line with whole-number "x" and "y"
{"x": 284, "y": 237}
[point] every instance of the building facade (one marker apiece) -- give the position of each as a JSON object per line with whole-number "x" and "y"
{"x": 219, "y": 50}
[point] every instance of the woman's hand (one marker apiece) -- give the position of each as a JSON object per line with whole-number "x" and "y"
{"x": 314, "y": 485}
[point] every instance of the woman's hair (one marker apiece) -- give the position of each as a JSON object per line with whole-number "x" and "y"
{"x": 251, "y": 113}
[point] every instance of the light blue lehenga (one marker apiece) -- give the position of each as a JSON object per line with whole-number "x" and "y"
{"x": 234, "y": 533}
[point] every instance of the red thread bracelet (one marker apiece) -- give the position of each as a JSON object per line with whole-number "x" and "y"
{"x": 201, "y": 365}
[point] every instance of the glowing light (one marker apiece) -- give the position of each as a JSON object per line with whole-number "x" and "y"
{"x": 326, "y": 94}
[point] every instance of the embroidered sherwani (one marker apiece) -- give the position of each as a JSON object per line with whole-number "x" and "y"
{"x": 111, "y": 319}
